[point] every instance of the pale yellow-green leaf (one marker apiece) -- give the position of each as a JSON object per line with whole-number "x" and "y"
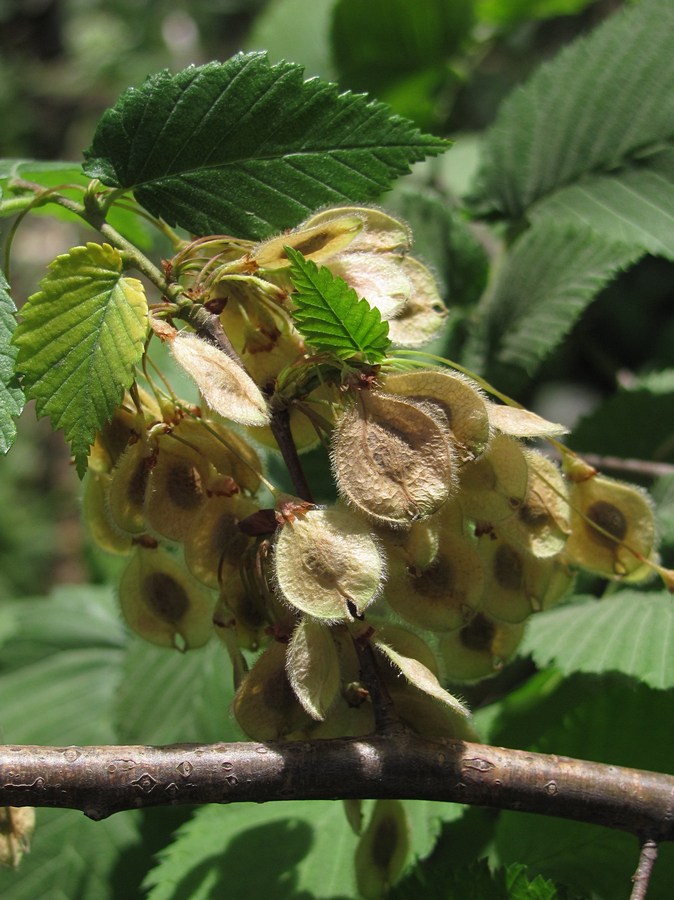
{"x": 79, "y": 339}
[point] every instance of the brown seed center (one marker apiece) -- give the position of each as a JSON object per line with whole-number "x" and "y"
{"x": 165, "y": 597}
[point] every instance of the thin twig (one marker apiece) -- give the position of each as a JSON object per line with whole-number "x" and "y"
{"x": 642, "y": 876}
{"x": 280, "y": 427}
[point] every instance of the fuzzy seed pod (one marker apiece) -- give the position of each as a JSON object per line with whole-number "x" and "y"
{"x": 162, "y": 603}
{"x": 327, "y": 564}
{"x": 265, "y": 706}
{"x": 128, "y": 484}
{"x": 392, "y": 460}
{"x": 479, "y": 649}
{"x": 312, "y": 666}
{"x": 424, "y": 314}
{"x": 455, "y": 399}
{"x": 379, "y": 232}
{"x": 95, "y": 510}
{"x": 316, "y": 240}
{"x": 612, "y": 528}
{"x": 442, "y": 595}
{"x": 175, "y": 491}
{"x": 542, "y": 523}
{"x": 17, "y": 824}
{"x": 521, "y": 423}
{"x": 518, "y": 584}
{"x": 382, "y": 850}
{"x": 226, "y": 387}
{"x": 214, "y": 545}
{"x": 493, "y": 487}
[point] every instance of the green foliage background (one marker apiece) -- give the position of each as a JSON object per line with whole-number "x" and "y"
{"x": 565, "y": 302}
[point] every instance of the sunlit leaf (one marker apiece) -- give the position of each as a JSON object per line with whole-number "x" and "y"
{"x": 11, "y": 395}
{"x": 546, "y": 134}
{"x": 631, "y": 632}
{"x": 250, "y": 149}
{"x": 330, "y": 316}
{"x": 79, "y": 339}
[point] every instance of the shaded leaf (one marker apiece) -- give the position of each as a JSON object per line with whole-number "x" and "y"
{"x": 330, "y": 316}
{"x": 599, "y": 862}
{"x": 476, "y": 881}
{"x": 630, "y": 632}
{"x": 636, "y": 422}
{"x": 546, "y": 134}
{"x": 246, "y": 148}
{"x": 11, "y": 395}
{"x": 549, "y": 277}
{"x": 399, "y": 51}
{"x": 62, "y": 661}
{"x": 79, "y": 339}
{"x": 307, "y": 846}
{"x": 634, "y": 205}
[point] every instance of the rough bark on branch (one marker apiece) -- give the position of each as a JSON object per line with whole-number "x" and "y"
{"x": 104, "y": 780}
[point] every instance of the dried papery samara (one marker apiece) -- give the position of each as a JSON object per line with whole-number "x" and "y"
{"x": 392, "y": 460}
{"x": 456, "y": 400}
{"x": 17, "y": 824}
{"x": 612, "y": 528}
{"x": 327, "y": 564}
{"x": 226, "y": 387}
{"x": 162, "y": 603}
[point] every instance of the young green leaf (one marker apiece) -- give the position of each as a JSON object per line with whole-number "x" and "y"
{"x": 247, "y": 148}
{"x": 79, "y": 340}
{"x": 330, "y": 316}
{"x": 11, "y": 395}
{"x": 546, "y": 135}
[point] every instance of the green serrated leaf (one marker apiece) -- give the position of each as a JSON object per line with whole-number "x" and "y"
{"x": 630, "y": 632}
{"x": 551, "y": 274}
{"x": 80, "y": 337}
{"x": 11, "y": 395}
{"x": 61, "y": 665}
{"x": 634, "y": 205}
{"x": 250, "y": 149}
{"x": 330, "y": 316}
{"x": 165, "y": 696}
{"x": 308, "y": 849}
{"x": 547, "y": 134}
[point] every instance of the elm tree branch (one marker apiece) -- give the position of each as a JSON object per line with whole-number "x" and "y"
{"x": 101, "y": 781}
